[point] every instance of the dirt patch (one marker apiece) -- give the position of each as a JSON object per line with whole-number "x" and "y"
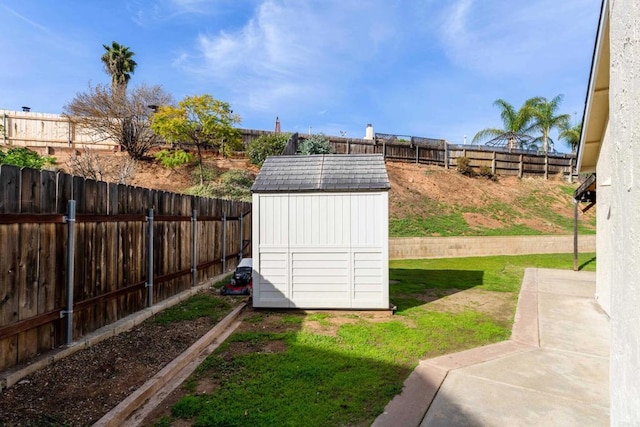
{"x": 541, "y": 225}
{"x": 81, "y": 388}
{"x": 476, "y": 220}
{"x": 497, "y": 305}
{"x": 329, "y": 325}
{"x": 148, "y": 173}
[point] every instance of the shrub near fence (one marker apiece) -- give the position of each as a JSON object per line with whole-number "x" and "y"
{"x": 110, "y": 253}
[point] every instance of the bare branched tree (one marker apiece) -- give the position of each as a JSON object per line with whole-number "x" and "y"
{"x": 124, "y": 120}
{"x": 102, "y": 167}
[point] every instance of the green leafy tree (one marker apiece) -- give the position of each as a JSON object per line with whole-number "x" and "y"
{"x": 25, "y": 158}
{"x": 571, "y": 135}
{"x": 199, "y": 120}
{"x": 545, "y": 119}
{"x": 173, "y": 158}
{"x": 315, "y": 144}
{"x": 119, "y": 64}
{"x": 516, "y": 125}
{"x": 266, "y": 145}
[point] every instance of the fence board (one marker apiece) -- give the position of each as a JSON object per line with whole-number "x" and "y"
{"x": 28, "y": 238}
{"x": 110, "y": 267}
{"x": 47, "y": 249}
{"x": 9, "y": 305}
{"x": 88, "y": 279}
{"x": 122, "y": 230}
{"x": 10, "y": 189}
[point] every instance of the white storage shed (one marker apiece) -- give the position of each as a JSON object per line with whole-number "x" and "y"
{"x": 320, "y": 232}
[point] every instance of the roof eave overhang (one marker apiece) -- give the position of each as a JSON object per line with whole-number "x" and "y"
{"x": 596, "y": 112}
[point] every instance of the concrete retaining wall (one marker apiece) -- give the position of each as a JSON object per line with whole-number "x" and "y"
{"x": 453, "y": 247}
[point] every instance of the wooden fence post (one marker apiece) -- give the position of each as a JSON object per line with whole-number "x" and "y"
{"x": 520, "y": 167}
{"x": 240, "y": 237}
{"x": 69, "y": 133}
{"x": 546, "y": 166}
{"x": 224, "y": 242}
{"x": 149, "y": 284}
{"x": 417, "y": 152}
{"x": 493, "y": 164}
{"x": 194, "y": 248}
{"x": 446, "y": 155}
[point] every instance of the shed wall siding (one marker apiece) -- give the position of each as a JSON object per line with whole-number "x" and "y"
{"x": 333, "y": 253}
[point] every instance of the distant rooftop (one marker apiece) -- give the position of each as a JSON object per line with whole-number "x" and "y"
{"x": 322, "y": 172}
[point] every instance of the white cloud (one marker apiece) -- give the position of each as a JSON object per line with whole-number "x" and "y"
{"x": 290, "y": 49}
{"x": 147, "y": 14}
{"x": 31, "y": 23}
{"x": 193, "y": 6}
{"x": 497, "y": 39}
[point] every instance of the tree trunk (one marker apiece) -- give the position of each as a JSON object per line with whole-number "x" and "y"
{"x": 201, "y": 167}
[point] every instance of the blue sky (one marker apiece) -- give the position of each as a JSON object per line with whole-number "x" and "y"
{"x": 427, "y": 68}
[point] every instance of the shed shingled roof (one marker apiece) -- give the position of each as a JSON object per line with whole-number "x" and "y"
{"x": 323, "y": 172}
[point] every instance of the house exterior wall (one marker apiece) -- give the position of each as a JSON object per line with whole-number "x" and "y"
{"x": 624, "y": 129}
{"x": 321, "y": 250}
{"x": 603, "y": 223}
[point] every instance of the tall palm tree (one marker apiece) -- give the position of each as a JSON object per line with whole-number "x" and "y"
{"x": 571, "y": 135}
{"x": 545, "y": 119}
{"x": 119, "y": 64}
{"x": 516, "y": 126}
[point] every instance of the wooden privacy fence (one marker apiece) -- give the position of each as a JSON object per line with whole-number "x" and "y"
{"x": 76, "y": 254}
{"x": 438, "y": 152}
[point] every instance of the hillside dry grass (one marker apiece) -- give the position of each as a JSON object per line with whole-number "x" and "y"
{"x": 433, "y": 201}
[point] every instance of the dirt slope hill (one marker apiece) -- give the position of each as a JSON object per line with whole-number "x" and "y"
{"x": 427, "y": 200}
{"x": 430, "y": 200}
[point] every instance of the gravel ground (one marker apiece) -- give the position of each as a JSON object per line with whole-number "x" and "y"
{"x": 80, "y": 389}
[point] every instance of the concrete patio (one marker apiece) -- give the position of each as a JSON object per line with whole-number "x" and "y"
{"x": 554, "y": 371}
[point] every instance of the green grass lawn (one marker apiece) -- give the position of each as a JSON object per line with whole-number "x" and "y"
{"x": 292, "y": 369}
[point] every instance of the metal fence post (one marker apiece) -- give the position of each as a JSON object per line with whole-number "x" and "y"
{"x": 149, "y": 284}
{"x": 194, "y": 248}
{"x": 70, "y": 219}
{"x": 224, "y": 242}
